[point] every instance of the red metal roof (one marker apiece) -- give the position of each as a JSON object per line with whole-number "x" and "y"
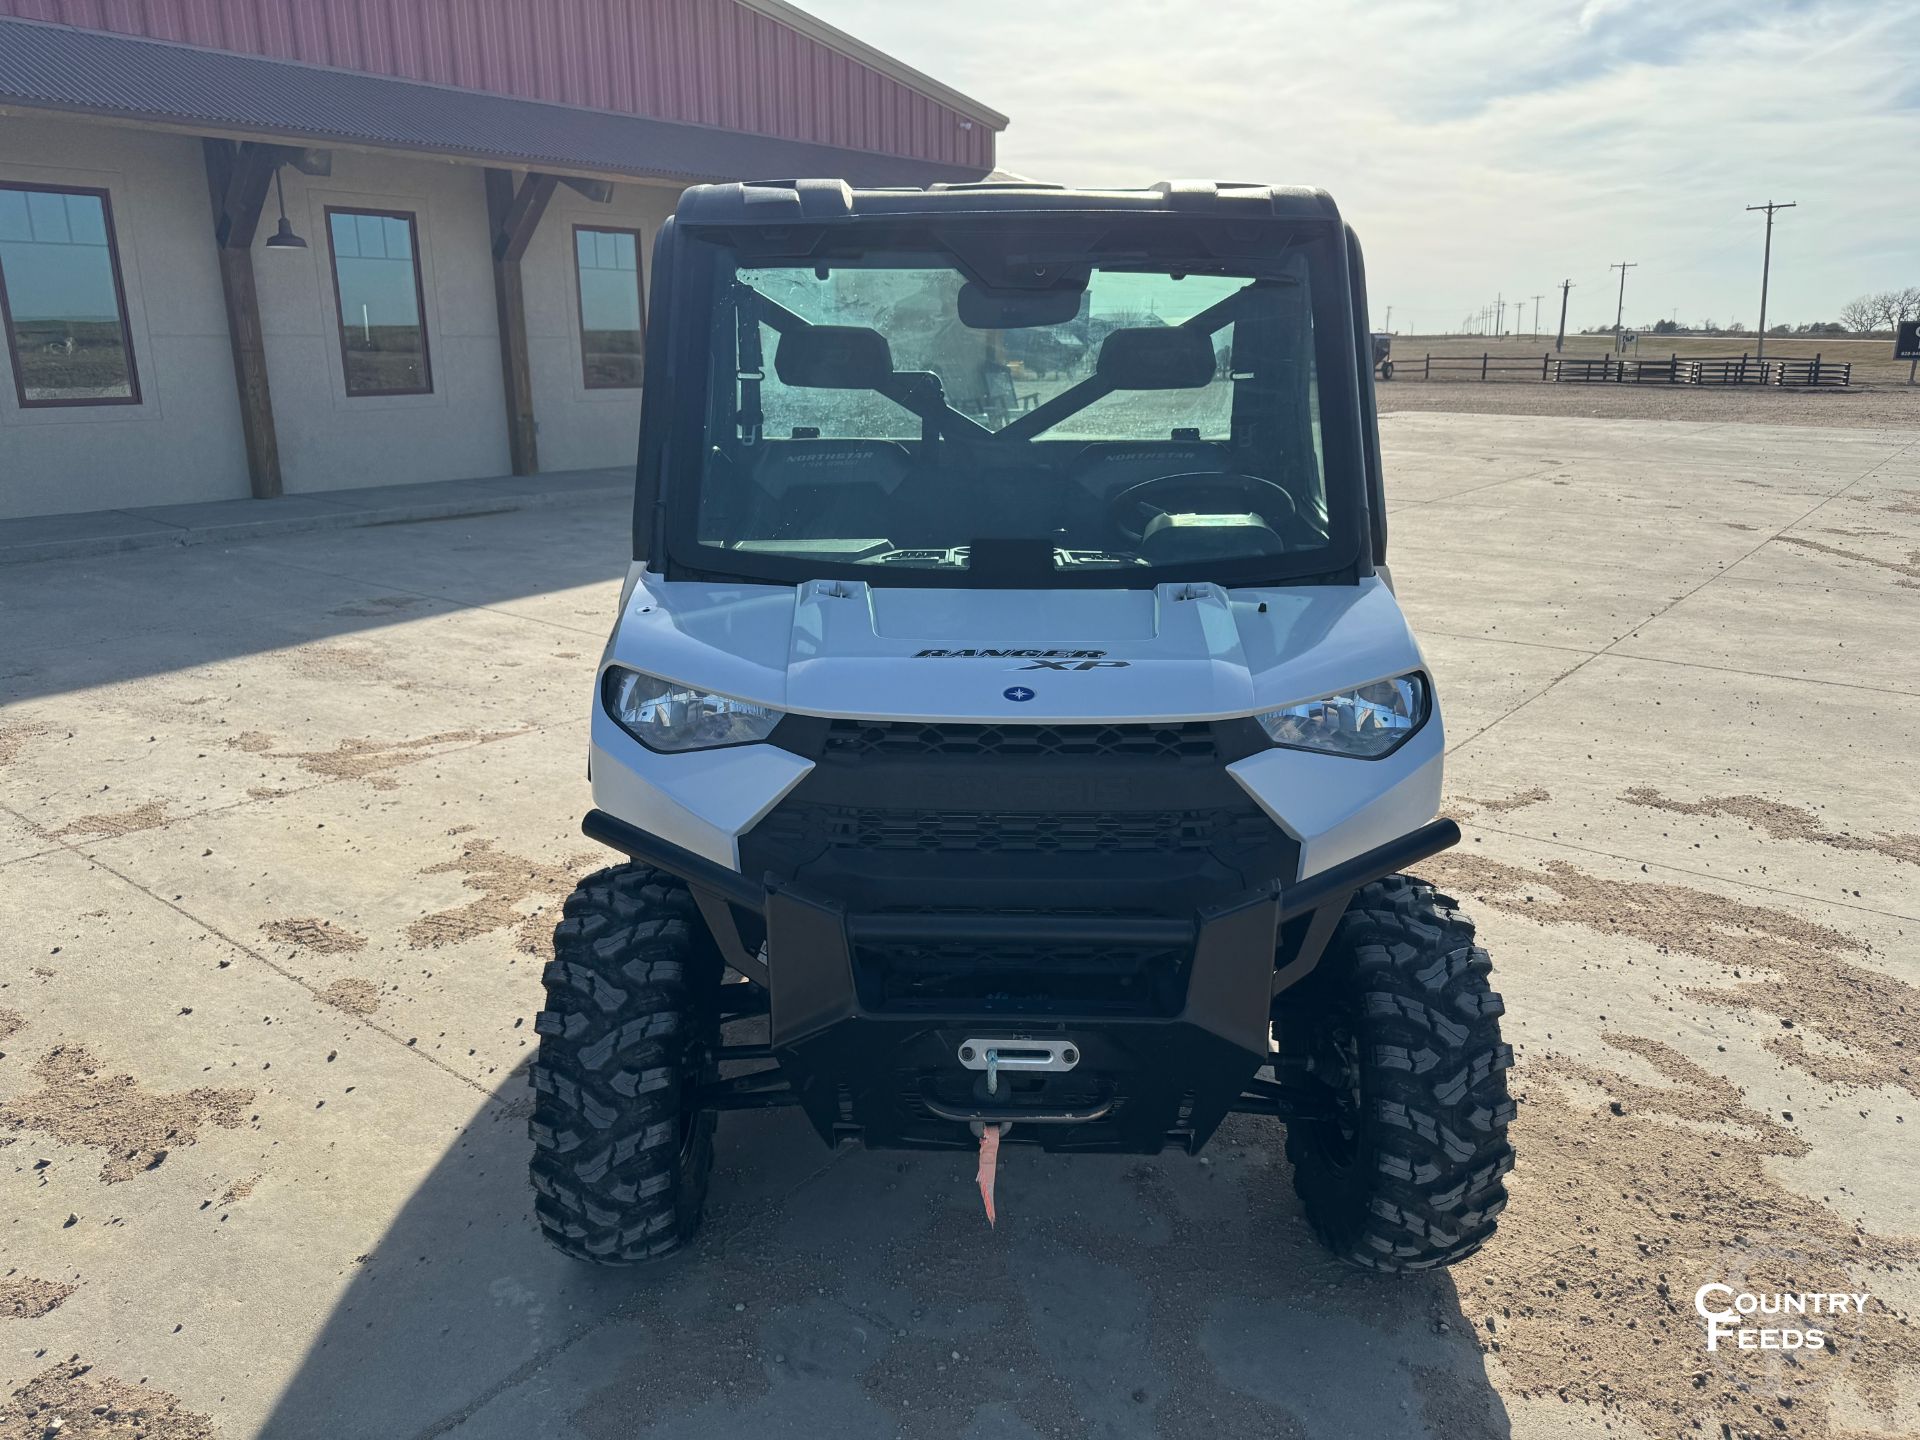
{"x": 748, "y": 65}
{"x": 61, "y": 69}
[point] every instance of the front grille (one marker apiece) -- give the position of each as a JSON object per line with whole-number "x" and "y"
{"x": 991, "y": 831}
{"x": 905, "y": 739}
{"x": 1120, "y": 979}
{"x": 935, "y": 814}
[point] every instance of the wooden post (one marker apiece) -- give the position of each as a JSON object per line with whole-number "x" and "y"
{"x": 1483, "y": 364}
{"x": 514, "y": 215}
{"x": 237, "y": 180}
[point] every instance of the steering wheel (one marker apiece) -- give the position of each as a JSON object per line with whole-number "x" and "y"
{"x": 1268, "y": 498}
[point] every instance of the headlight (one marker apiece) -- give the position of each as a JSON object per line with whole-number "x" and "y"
{"x": 665, "y": 715}
{"x": 1366, "y": 723}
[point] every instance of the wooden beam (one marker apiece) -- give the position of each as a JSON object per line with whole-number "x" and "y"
{"x": 514, "y": 214}
{"x": 237, "y": 179}
{"x": 513, "y": 226}
{"x": 249, "y": 174}
{"x": 598, "y": 191}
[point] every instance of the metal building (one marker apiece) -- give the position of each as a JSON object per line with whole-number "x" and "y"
{"x": 255, "y": 247}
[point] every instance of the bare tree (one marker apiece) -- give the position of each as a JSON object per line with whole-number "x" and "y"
{"x": 1893, "y": 306}
{"x": 1861, "y": 314}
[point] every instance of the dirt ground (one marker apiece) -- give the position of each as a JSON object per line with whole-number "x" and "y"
{"x": 1879, "y": 396}
{"x": 284, "y": 824}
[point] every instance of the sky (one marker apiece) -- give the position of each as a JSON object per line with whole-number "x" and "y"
{"x": 1490, "y": 148}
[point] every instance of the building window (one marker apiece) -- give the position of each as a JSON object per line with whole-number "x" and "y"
{"x": 376, "y": 283}
{"x": 612, "y": 314}
{"x": 61, "y": 299}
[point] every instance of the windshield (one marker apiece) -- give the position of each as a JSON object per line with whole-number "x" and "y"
{"x": 895, "y": 417}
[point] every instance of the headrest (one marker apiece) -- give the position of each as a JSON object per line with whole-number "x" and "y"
{"x": 1165, "y": 358}
{"x": 833, "y": 357}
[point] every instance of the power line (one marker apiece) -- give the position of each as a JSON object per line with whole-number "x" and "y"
{"x": 1766, "y": 265}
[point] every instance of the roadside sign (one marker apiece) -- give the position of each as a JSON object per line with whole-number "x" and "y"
{"x": 1906, "y": 341}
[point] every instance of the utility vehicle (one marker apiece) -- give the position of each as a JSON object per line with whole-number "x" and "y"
{"x": 1383, "y": 355}
{"x": 1010, "y": 721}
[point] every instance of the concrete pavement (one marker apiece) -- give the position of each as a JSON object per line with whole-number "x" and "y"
{"x": 283, "y": 825}
{"x": 147, "y": 527}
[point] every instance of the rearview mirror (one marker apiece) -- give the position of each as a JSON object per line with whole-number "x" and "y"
{"x": 984, "y": 307}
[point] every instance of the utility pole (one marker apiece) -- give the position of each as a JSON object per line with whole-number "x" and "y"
{"x": 1499, "y": 314}
{"x": 1536, "y": 315}
{"x": 1560, "y": 341}
{"x": 1766, "y": 265}
{"x": 1620, "y": 314}
{"x": 1389, "y": 319}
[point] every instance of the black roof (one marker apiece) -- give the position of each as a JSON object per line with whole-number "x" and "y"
{"x": 815, "y": 201}
{"x": 60, "y": 68}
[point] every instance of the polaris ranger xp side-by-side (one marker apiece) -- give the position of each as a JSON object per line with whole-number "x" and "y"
{"x": 1011, "y": 723}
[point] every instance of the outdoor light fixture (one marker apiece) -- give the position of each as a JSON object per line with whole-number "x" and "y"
{"x": 283, "y": 238}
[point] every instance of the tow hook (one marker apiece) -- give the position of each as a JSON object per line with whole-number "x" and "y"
{"x": 993, "y": 1056}
{"x": 989, "y": 1133}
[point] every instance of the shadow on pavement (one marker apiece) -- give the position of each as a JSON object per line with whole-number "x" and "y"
{"x": 104, "y": 619}
{"x": 862, "y": 1294}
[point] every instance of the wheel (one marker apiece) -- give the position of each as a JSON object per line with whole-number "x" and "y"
{"x": 621, "y": 1155}
{"x": 1399, "y": 1020}
{"x": 1386, "y": 369}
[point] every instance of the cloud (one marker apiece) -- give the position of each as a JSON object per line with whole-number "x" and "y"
{"x": 1483, "y": 148}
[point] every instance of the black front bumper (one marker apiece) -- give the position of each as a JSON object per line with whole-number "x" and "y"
{"x": 1170, "y": 1014}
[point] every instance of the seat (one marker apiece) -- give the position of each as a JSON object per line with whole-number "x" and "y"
{"x": 820, "y": 489}
{"x": 1107, "y": 467}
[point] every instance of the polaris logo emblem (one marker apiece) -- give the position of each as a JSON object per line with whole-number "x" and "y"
{"x": 1017, "y": 693}
{"x": 1042, "y": 659}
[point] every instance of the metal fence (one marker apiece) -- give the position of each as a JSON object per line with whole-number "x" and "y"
{"x": 1729, "y": 370}
{"x": 1611, "y": 369}
{"x": 1750, "y": 370}
{"x": 1814, "y": 372}
{"x": 1485, "y": 366}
